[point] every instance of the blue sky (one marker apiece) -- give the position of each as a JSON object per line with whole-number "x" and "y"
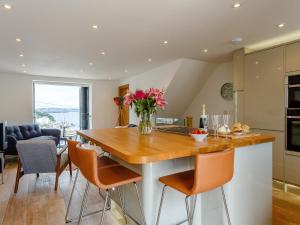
{"x": 57, "y": 96}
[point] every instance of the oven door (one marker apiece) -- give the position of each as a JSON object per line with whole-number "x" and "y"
{"x": 293, "y": 133}
{"x": 294, "y": 96}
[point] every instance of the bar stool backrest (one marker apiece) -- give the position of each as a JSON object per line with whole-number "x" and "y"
{"x": 212, "y": 170}
{"x": 88, "y": 165}
{"x": 72, "y": 150}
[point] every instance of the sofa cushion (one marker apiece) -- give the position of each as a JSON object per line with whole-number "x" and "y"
{"x": 15, "y": 132}
{"x": 30, "y": 131}
{"x": 43, "y": 138}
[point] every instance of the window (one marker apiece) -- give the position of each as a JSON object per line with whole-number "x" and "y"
{"x": 61, "y": 106}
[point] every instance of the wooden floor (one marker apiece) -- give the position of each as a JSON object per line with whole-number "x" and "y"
{"x": 37, "y": 204}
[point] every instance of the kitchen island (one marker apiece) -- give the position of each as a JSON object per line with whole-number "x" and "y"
{"x": 249, "y": 194}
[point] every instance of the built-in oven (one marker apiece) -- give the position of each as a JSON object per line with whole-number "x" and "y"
{"x": 293, "y": 130}
{"x": 293, "y": 92}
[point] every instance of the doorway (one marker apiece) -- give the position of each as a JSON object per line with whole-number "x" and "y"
{"x": 124, "y": 112}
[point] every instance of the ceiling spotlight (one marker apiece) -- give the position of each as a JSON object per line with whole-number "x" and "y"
{"x": 21, "y": 55}
{"x": 165, "y": 42}
{"x": 7, "y": 6}
{"x": 237, "y": 40}
{"x": 281, "y": 25}
{"x": 23, "y": 65}
{"x": 18, "y": 40}
{"x": 149, "y": 60}
{"x": 126, "y": 71}
{"x": 236, "y": 5}
{"x": 205, "y": 50}
{"x": 90, "y": 63}
{"x": 24, "y": 71}
{"x": 102, "y": 53}
{"x": 95, "y": 27}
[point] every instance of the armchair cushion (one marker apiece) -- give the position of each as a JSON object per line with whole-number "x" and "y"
{"x": 37, "y": 156}
{"x": 30, "y": 131}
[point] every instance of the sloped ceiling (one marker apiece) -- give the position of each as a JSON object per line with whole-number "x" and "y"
{"x": 189, "y": 78}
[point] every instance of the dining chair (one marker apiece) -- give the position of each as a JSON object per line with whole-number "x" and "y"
{"x": 102, "y": 162}
{"x": 212, "y": 170}
{"x": 108, "y": 178}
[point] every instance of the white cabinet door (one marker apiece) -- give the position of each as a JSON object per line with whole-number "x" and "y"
{"x": 264, "y": 89}
{"x": 292, "y": 57}
{"x": 278, "y": 152}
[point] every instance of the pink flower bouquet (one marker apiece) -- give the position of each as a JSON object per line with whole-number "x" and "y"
{"x": 146, "y": 103}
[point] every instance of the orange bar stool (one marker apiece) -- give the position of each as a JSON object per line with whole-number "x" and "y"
{"x": 212, "y": 170}
{"x": 102, "y": 162}
{"x": 106, "y": 178}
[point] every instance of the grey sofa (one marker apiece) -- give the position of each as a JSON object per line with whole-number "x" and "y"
{"x": 28, "y": 132}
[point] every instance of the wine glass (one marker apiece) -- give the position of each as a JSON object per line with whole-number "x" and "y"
{"x": 215, "y": 119}
{"x": 226, "y": 119}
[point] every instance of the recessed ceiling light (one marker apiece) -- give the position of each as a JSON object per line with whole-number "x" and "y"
{"x": 90, "y": 63}
{"x": 149, "y": 60}
{"x": 95, "y": 27}
{"x": 18, "y": 39}
{"x": 237, "y": 40}
{"x": 205, "y": 50}
{"x": 7, "y": 6}
{"x": 102, "y": 53}
{"x": 81, "y": 71}
{"x": 281, "y": 25}
{"x": 23, "y": 65}
{"x": 165, "y": 42}
{"x": 126, "y": 71}
{"x": 236, "y": 5}
{"x": 21, "y": 55}
{"x": 24, "y": 71}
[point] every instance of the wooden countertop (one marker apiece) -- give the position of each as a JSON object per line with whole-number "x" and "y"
{"x": 128, "y": 145}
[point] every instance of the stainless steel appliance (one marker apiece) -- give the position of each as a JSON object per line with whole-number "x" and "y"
{"x": 293, "y": 130}
{"x": 292, "y": 121}
{"x": 292, "y": 90}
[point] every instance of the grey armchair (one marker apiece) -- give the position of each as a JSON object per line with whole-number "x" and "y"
{"x": 41, "y": 157}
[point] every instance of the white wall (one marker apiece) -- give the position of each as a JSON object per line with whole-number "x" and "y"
{"x": 210, "y": 95}
{"x": 159, "y": 78}
{"x": 16, "y": 99}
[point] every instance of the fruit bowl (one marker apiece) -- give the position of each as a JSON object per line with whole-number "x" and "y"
{"x": 199, "y": 134}
{"x": 199, "y": 137}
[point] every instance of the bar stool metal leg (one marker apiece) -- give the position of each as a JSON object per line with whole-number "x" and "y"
{"x": 105, "y": 205}
{"x": 121, "y": 197}
{"x": 226, "y": 207}
{"x": 71, "y": 196}
{"x": 194, "y": 203}
{"x": 83, "y": 202}
{"x": 188, "y": 210}
{"x": 160, "y": 204}
{"x": 139, "y": 200}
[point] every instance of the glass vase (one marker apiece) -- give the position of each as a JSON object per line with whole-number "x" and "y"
{"x": 145, "y": 125}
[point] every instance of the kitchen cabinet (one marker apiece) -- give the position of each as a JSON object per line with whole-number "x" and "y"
{"x": 264, "y": 89}
{"x": 292, "y": 169}
{"x": 292, "y": 57}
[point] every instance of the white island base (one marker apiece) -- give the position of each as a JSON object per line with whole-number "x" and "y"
{"x": 249, "y": 194}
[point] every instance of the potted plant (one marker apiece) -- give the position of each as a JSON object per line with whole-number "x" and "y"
{"x": 146, "y": 103}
